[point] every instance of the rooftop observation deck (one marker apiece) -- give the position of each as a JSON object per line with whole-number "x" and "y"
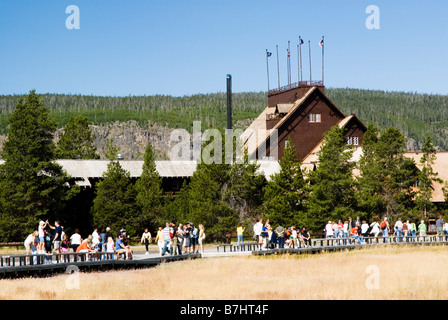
{"x": 295, "y": 85}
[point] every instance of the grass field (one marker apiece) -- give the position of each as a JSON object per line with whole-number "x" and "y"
{"x": 370, "y": 273}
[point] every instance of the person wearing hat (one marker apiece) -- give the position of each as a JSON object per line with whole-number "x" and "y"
{"x": 41, "y": 233}
{"x": 125, "y": 235}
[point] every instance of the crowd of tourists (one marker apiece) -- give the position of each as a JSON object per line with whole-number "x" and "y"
{"x": 171, "y": 239}
{"x": 279, "y": 237}
{"x": 176, "y": 240}
{"x": 405, "y": 230}
{"x": 188, "y": 238}
{"x": 49, "y": 239}
{"x": 292, "y": 237}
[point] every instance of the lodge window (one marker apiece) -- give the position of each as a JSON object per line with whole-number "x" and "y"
{"x": 353, "y": 141}
{"x": 314, "y": 117}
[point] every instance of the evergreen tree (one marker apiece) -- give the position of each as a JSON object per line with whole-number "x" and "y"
{"x": 178, "y": 209}
{"x": 115, "y": 196}
{"x": 284, "y": 195}
{"x": 332, "y": 185}
{"x": 149, "y": 191}
{"x": 77, "y": 141}
{"x": 426, "y": 178}
{"x": 386, "y": 176}
{"x": 398, "y": 173}
{"x": 369, "y": 187}
{"x": 206, "y": 202}
{"x": 32, "y": 185}
{"x": 242, "y": 191}
{"x": 114, "y": 203}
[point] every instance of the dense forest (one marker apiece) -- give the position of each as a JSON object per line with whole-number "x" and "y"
{"x": 415, "y": 115}
{"x": 219, "y": 195}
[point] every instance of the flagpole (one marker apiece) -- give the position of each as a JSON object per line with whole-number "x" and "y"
{"x": 278, "y": 71}
{"x": 298, "y": 66}
{"x": 267, "y": 68}
{"x": 309, "y": 49}
{"x": 300, "y": 54}
{"x": 323, "y": 45}
{"x": 289, "y": 64}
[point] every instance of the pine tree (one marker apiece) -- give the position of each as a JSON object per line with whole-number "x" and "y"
{"x": 398, "y": 173}
{"x": 115, "y": 196}
{"x": 369, "y": 187}
{"x": 426, "y": 178}
{"x": 77, "y": 141}
{"x": 32, "y": 185}
{"x": 149, "y": 191}
{"x": 242, "y": 191}
{"x": 114, "y": 203}
{"x": 386, "y": 176}
{"x": 284, "y": 195}
{"x": 206, "y": 203}
{"x": 332, "y": 185}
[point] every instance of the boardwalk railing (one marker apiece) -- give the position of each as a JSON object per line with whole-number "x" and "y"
{"x": 323, "y": 243}
{"x": 234, "y": 247}
{"x": 329, "y": 242}
{"x": 43, "y": 259}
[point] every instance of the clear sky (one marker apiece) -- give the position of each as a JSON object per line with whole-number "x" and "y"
{"x": 172, "y": 47}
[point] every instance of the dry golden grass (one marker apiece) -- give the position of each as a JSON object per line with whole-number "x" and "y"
{"x": 403, "y": 273}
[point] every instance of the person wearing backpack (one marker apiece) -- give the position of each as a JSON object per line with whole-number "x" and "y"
{"x": 385, "y": 229}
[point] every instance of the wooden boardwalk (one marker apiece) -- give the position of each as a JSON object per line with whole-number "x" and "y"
{"x": 13, "y": 266}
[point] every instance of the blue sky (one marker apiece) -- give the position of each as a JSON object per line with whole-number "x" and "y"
{"x": 149, "y": 47}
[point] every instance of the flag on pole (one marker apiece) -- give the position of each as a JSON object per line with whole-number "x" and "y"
{"x": 321, "y": 43}
{"x": 268, "y": 54}
{"x": 300, "y": 40}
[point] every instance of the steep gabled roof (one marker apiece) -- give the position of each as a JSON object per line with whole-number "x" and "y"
{"x": 257, "y": 134}
{"x": 312, "y": 158}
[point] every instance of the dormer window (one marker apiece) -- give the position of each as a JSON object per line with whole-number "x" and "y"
{"x": 314, "y": 117}
{"x": 353, "y": 141}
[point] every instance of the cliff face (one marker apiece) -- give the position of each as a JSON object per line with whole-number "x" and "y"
{"x": 133, "y": 139}
{"x": 129, "y": 137}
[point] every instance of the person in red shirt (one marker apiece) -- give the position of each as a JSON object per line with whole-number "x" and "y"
{"x": 354, "y": 234}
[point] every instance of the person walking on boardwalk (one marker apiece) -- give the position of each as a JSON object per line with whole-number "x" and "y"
{"x": 166, "y": 239}
{"x": 201, "y": 237}
{"x": 146, "y": 239}
{"x": 159, "y": 239}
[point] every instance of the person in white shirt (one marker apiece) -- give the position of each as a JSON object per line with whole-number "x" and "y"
{"x": 445, "y": 228}
{"x": 364, "y": 228}
{"x": 329, "y": 230}
{"x": 345, "y": 229}
{"x": 375, "y": 228}
{"x": 335, "y": 229}
{"x": 75, "y": 240}
{"x": 257, "y": 230}
{"x": 398, "y": 229}
{"x": 95, "y": 237}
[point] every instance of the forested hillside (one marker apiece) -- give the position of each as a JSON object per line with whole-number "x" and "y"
{"x": 415, "y": 115}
